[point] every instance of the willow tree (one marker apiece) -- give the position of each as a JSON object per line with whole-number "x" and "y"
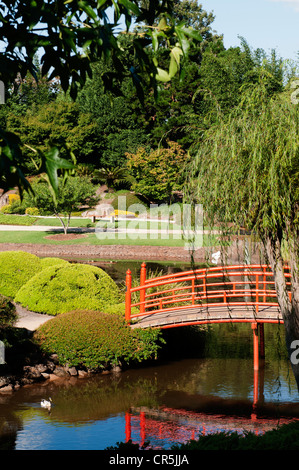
{"x": 246, "y": 174}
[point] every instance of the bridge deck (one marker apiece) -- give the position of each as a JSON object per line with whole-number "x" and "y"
{"x": 208, "y": 314}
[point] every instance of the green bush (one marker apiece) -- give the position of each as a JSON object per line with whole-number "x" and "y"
{"x": 51, "y": 261}
{"x": 131, "y": 198}
{"x": 15, "y": 207}
{"x": 60, "y": 289}
{"x": 95, "y": 340}
{"x": 16, "y": 268}
{"x": 32, "y": 211}
{"x": 6, "y": 209}
{"x": 8, "y": 315}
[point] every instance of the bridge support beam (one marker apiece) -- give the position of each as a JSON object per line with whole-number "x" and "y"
{"x": 255, "y": 330}
{"x": 258, "y": 343}
{"x": 262, "y": 341}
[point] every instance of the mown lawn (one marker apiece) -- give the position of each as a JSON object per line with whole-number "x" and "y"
{"x": 16, "y": 236}
{"x": 11, "y": 219}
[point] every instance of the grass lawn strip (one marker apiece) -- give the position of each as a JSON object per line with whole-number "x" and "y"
{"x": 15, "y": 236}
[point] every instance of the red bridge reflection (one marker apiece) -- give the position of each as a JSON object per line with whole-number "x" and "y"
{"x": 171, "y": 426}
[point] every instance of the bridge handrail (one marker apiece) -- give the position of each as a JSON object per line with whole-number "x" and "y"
{"x": 202, "y": 289}
{"x": 213, "y": 269}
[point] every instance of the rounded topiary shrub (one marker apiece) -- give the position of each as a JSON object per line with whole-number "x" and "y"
{"x": 60, "y": 289}
{"x": 8, "y": 314}
{"x": 95, "y": 340}
{"x": 51, "y": 261}
{"x": 16, "y": 268}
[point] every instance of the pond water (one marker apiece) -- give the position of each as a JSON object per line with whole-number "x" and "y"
{"x": 205, "y": 385}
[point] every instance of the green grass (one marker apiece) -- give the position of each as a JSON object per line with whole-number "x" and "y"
{"x": 91, "y": 239}
{"x": 55, "y": 222}
{"x": 11, "y": 219}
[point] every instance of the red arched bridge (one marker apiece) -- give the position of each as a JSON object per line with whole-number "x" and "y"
{"x": 242, "y": 293}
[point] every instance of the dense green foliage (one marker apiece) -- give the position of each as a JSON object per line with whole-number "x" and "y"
{"x": 16, "y": 268}
{"x": 158, "y": 173}
{"x": 51, "y": 261}
{"x": 8, "y": 315}
{"x": 78, "y": 34}
{"x": 257, "y": 186}
{"x": 60, "y": 289}
{"x": 102, "y": 129}
{"x": 96, "y": 340}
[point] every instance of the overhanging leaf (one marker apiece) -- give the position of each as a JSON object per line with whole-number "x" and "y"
{"x": 51, "y": 164}
{"x": 162, "y": 75}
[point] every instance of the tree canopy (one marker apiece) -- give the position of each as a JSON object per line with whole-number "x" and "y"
{"x": 72, "y": 35}
{"x": 73, "y": 193}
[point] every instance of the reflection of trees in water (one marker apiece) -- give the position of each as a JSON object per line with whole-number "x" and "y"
{"x": 100, "y": 397}
{"x": 9, "y": 427}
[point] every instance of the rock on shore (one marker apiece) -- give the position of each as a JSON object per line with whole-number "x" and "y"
{"x": 48, "y": 369}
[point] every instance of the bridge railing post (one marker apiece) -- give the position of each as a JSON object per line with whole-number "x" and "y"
{"x": 204, "y": 287}
{"x": 257, "y": 289}
{"x": 142, "y": 291}
{"x": 128, "y": 296}
{"x": 193, "y": 291}
{"x": 264, "y": 283}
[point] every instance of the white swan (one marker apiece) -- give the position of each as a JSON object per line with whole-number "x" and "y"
{"x": 215, "y": 257}
{"x": 46, "y": 403}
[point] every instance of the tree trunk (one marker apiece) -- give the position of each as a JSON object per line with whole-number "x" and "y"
{"x": 65, "y": 227}
{"x": 289, "y": 308}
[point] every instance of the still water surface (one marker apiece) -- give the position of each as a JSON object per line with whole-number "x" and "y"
{"x": 166, "y": 403}
{"x": 163, "y": 403}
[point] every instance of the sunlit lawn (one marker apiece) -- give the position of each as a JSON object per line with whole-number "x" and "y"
{"x": 155, "y": 238}
{"x": 11, "y": 219}
{"x": 15, "y": 236}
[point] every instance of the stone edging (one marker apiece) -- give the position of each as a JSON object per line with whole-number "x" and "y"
{"x": 48, "y": 369}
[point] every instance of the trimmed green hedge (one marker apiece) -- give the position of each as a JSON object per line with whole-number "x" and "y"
{"x": 50, "y": 261}
{"x": 16, "y": 268}
{"x": 95, "y": 340}
{"x": 60, "y": 289}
